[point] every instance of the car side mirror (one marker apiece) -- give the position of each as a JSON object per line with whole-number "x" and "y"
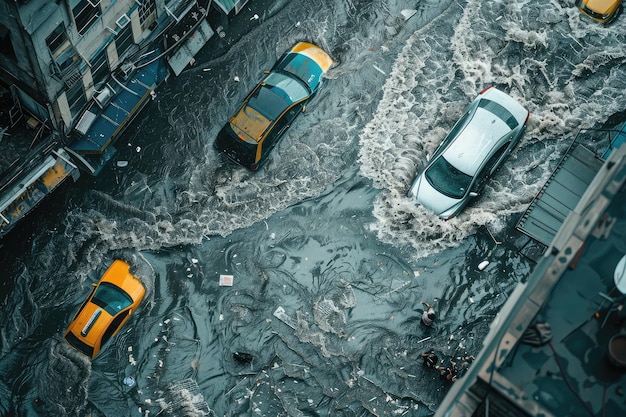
{"x": 473, "y": 194}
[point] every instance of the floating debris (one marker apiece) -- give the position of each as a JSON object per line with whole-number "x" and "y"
{"x": 408, "y": 13}
{"x": 379, "y": 70}
{"x": 226, "y": 280}
{"x": 282, "y": 316}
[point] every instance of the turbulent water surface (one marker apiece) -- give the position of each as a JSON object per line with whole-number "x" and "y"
{"x": 330, "y": 259}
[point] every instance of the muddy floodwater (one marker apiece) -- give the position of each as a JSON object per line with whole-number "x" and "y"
{"x": 328, "y": 259}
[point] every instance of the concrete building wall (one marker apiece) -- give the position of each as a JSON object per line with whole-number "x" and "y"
{"x": 55, "y": 48}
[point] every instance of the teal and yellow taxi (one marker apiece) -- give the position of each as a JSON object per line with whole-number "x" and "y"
{"x": 272, "y": 106}
{"x": 108, "y": 307}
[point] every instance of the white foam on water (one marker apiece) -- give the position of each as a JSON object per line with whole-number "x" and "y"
{"x": 561, "y": 72}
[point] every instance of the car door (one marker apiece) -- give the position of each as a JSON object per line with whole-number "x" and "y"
{"x": 490, "y": 168}
{"x": 115, "y": 325}
{"x": 280, "y": 127}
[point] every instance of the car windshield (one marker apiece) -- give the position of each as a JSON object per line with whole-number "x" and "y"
{"x": 292, "y": 88}
{"x": 111, "y": 298}
{"x": 302, "y": 67}
{"x": 446, "y": 179}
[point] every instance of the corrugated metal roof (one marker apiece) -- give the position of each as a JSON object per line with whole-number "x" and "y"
{"x": 560, "y": 194}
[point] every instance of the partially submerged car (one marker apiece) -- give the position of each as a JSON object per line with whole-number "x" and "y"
{"x": 603, "y": 11}
{"x": 471, "y": 153}
{"x": 113, "y": 299}
{"x": 270, "y": 108}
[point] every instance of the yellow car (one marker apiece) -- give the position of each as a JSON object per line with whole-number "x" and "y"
{"x": 603, "y": 11}
{"x": 104, "y": 312}
{"x": 270, "y": 108}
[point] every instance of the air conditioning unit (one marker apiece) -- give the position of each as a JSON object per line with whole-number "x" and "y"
{"x": 103, "y": 97}
{"x": 126, "y": 69}
{"x": 85, "y": 122}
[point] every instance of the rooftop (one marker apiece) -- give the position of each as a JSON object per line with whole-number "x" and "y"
{"x": 548, "y": 350}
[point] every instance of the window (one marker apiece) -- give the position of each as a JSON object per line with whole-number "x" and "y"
{"x": 57, "y": 41}
{"x": 76, "y": 98}
{"x": 114, "y": 327}
{"x": 85, "y": 13}
{"x": 446, "y": 179}
{"x": 124, "y": 40}
{"x": 61, "y": 49}
{"x": 79, "y": 344}
{"x": 99, "y": 69}
{"x": 499, "y": 111}
{"x": 122, "y": 21}
{"x": 6, "y": 46}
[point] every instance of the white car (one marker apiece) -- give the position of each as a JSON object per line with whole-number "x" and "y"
{"x": 471, "y": 153}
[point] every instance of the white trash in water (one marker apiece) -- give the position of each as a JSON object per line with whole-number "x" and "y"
{"x": 483, "y": 265}
{"x": 408, "y": 13}
{"x": 226, "y": 280}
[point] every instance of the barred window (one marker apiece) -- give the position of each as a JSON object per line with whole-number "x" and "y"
{"x": 147, "y": 9}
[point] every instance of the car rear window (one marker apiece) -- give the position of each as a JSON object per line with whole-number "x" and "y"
{"x": 111, "y": 298}
{"x": 499, "y": 111}
{"x": 301, "y": 66}
{"x": 235, "y": 147}
{"x": 446, "y": 179}
{"x": 79, "y": 344}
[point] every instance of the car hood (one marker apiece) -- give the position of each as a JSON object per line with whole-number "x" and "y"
{"x": 430, "y": 198}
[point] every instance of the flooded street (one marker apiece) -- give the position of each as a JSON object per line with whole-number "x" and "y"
{"x": 330, "y": 260}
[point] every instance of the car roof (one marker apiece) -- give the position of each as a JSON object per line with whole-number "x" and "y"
{"x": 601, "y": 6}
{"x": 484, "y": 130}
{"x": 469, "y": 149}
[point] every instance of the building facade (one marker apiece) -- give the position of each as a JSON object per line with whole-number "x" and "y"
{"x": 77, "y": 72}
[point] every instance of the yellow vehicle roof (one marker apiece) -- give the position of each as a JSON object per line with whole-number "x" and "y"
{"x": 92, "y": 320}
